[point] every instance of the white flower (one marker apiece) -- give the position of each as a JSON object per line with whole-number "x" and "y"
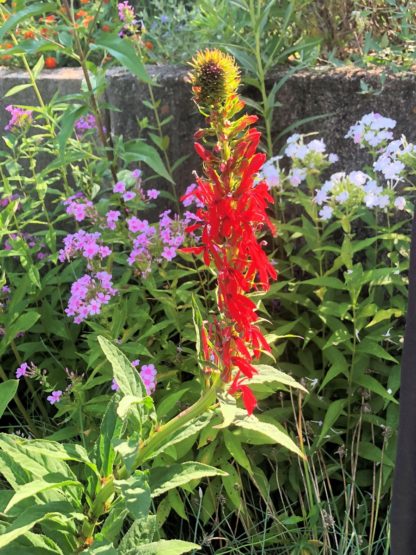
{"x": 358, "y": 178}
{"x": 371, "y": 200}
{"x": 372, "y": 187}
{"x": 332, "y": 158}
{"x": 342, "y": 197}
{"x": 337, "y": 177}
{"x": 320, "y": 196}
{"x": 296, "y": 176}
{"x": 383, "y": 201}
{"x": 400, "y": 203}
{"x": 317, "y": 145}
{"x": 392, "y": 171}
{"x": 325, "y": 213}
{"x": 271, "y": 175}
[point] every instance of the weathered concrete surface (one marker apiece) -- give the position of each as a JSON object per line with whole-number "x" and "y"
{"x": 307, "y": 93}
{"x": 63, "y": 80}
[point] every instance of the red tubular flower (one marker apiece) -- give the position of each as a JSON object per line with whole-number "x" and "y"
{"x": 232, "y": 216}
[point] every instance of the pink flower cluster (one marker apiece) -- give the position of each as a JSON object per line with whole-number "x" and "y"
{"x": 84, "y": 244}
{"x": 148, "y": 376}
{"x": 89, "y": 294}
{"x": 84, "y": 124}
{"x": 20, "y": 118}
{"x": 80, "y": 207}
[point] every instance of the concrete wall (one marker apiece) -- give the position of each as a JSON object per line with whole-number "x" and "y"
{"x": 335, "y": 92}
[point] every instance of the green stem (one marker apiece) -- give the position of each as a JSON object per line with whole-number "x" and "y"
{"x": 164, "y": 432}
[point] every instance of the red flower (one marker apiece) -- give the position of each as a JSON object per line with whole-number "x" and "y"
{"x": 232, "y": 216}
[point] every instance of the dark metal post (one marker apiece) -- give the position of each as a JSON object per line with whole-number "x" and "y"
{"x": 403, "y": 515}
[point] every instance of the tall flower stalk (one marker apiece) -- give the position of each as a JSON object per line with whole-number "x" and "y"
{"x": 232, "y": 215}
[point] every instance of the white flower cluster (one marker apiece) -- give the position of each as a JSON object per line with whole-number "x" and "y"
{"x": 354, "y": 189}
{"x": 371, "y": 131}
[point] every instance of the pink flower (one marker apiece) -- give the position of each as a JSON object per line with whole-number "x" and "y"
{"x": 119, "y": 187}
{"x": 54, "y": 397}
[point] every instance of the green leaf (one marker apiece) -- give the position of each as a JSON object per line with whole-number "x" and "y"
{"x": 382, "y": 315}
{"x": 192, "y": 428}
{"x": 142, "y": 531}
{"x": 16, "y": 89}
{"x": 126, "y": 377}
{"x": 332, "y": 414}
{"x": 163, "y": 547}
{"x": 136, "y": 493}
{"x": 370, "y": 383}
{"x": 228, "y": 408}
{"x": 269, "y": 374}
{"x": 371, "y": 452}
{"x": 21, "y": 15}
{"x": 371, "y": 347}
{"x": 325, "y": 281}
{"x": 235, "y": 449}
{"x": 49, "y": 481}
{"x": 25, "y": 521}
{"x": 162, "y": 479}
{"x": 68, "y": 119}
{"x": 123, "y": 51}
{"x": 7, "y": 392}
{"x": 22, "y": 324}
{"x": 110, "y": 428}
{"x": 263, "y": 432}
{"x": 139, "y": 150}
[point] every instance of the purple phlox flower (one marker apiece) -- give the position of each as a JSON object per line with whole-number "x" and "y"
{"x": 23, "y": 370}
{"x": 20, "y": 118}
{"x": 112, "y": 217}
{"x": 188, "y": 198}
{"x": 137, "y": 174}
{"x": 128, "y": 195}
{"x": 84, "y": 124}
{"x": 135, "y": 362}
{"x": 136, "y": 225}
{"x": 89, "y": 294}
{"x": 148, "y": 375}
{"x": 332, "y": 158}
{"x": 114, "y": 385}
{"x": 152, "y": 194}
{"x": 119, "y": 187}
{"x": 54, "y": 397}
{"x": 80, "y": 207}
{"x": 169, "y": 253}
{"x": 126, "y": 12}
{"x": 84, "y": 244}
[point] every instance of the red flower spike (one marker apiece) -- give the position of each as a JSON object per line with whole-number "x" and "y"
{"x": 233, "y": 213}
